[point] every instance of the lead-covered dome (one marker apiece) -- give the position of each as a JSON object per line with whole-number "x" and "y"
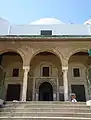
{"x": 46, "y": 21}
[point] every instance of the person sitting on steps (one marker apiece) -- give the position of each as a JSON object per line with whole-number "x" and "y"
{"x": 73, "y": 98}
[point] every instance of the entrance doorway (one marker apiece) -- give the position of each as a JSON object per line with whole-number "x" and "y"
{"x": 79, "y": 90}
{"x": 13, "y": 92}
{"x": 45, "y": 92}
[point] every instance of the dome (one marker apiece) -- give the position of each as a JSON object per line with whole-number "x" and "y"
{"x": 3, "y": 21}
{"x": 88, "y": 22}
{"x": 47, "y": 21}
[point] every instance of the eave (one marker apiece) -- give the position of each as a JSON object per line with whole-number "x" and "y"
{"x": 47, "y": 38}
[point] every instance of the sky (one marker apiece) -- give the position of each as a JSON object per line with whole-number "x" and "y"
{"x": 26, "y": 11}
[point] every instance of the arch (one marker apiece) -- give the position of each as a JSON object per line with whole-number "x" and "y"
{"x": 53, "y": 84}
{"x": 18, "y": 51}
{"x": 81, "y": 63}
{"x": 45, "y": 92}
{"x": 10, "y": 52}
{"x": 79, "y": 51}
{"x": 45, "y": 83}
{"x": 76, "y": 51}
{"x": 53, "y": 51}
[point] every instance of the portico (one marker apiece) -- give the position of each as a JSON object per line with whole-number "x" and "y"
{"x": 47, "y": 72}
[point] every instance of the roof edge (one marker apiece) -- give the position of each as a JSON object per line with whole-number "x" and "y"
{"x": 43, "y": 36}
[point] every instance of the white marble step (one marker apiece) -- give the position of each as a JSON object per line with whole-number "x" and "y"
{"x": 45, "y": 102}
{"x": 46, "y": 105}
{"x": 44, "y": 118}
{"x": 46, "y": 114}
{"x": 46, "y": 109}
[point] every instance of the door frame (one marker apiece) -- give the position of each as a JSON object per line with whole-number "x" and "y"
{"x": 49, "y": 86}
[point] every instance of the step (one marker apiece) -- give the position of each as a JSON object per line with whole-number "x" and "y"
{"x": 46, "y": 109}
{"x": 45, "y": 105}
{"x": 44, "y": 102}
{"x": 44, "y": 118}
{"x": 46, "y": 114}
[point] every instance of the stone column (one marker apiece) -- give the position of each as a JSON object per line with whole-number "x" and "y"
{"x": 65, "y": 79}
{"x": 54, "y": 97}
{"x": 37, "y": 96}
{"x": 24, "y": 87}
{"x": 33, "y": 94}
{"x": 57, "y": 89}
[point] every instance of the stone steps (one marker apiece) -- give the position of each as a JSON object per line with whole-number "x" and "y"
{"x": 52, "y": 107}
{"x": 46, "y": 105}
{"x": 44, "y": 118}
{"x": 44, "y": 102}
{"x": 88, "y": 110}
{"x": 46, "y": 114}
{"x": 47, "y": 111}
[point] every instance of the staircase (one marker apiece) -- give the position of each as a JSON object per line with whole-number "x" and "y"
{"x": 39, "y": 110}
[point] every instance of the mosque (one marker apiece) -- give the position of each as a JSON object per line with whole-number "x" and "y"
{"x": 45, "y": 60}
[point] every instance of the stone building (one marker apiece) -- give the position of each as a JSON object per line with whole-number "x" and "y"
{"x": 45, "y": 60}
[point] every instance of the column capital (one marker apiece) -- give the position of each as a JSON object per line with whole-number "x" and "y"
{"x": 64, "y": 68}
{"x": 26, "y": 68}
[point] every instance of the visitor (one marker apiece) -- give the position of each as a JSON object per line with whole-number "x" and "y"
{"x": 73, "y": 98}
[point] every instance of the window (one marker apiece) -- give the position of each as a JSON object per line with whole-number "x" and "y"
{"x": 45, "y": 72}
{"x": 46, "y": 32}
{"x": 15, "y": 72}
{"x": 76, "y": 72}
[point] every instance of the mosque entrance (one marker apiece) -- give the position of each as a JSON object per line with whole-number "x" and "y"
{"x": 45, "y": 92}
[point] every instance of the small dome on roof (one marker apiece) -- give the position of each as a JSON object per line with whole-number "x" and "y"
{"x": 47, "y": 21}
{"x": 88, "y": 22}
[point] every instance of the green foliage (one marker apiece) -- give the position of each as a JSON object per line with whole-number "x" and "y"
{"x": 89, "y": 52}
